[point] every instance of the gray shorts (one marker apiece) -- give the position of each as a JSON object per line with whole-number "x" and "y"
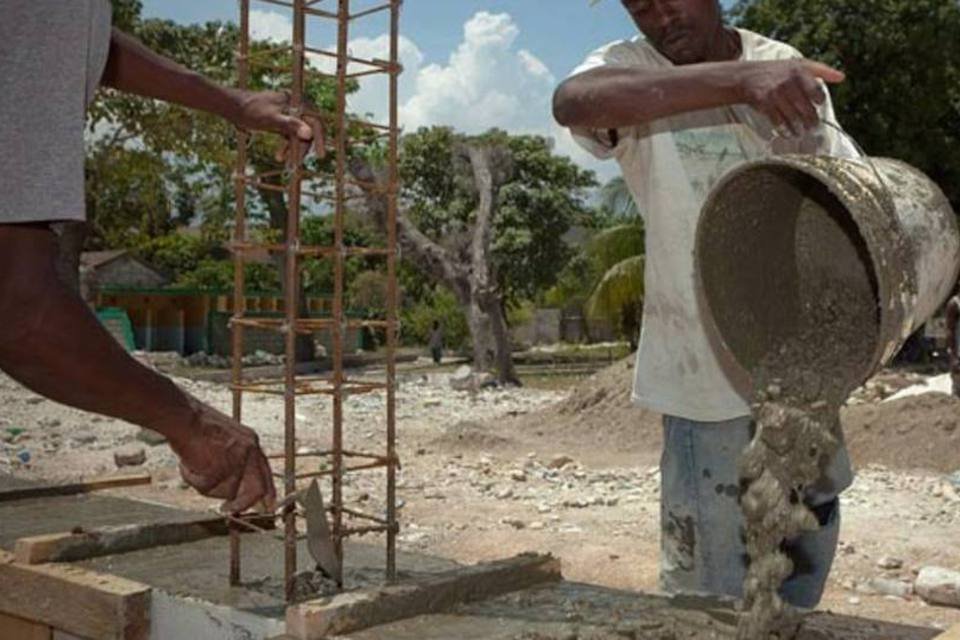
{"x": 52, "y": 55}
{"x": 702, "y": 549}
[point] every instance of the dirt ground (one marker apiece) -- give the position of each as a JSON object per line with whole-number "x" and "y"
{"x": 571, "y": 469}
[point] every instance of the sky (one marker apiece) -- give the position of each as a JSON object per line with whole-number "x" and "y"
{"x": 470, "y": 64}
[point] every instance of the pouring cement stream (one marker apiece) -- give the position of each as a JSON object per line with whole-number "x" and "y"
{"x": 812, "y": 271}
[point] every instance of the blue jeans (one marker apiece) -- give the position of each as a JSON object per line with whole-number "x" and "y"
{"x": 702, "y": 549}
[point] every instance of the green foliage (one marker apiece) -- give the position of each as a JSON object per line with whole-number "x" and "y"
{"x": 190, "y": 154}
{"x": 543, "y": 198}
{"x": 217, "y": 275}
{"x": 177, "y": 254}
{"x": 616, "y": 199}
{"x": 901, "y": 98}
{"x": 442, "y": 306}
{"x": 318, "y": 272}
{"x": 368, "y": 291}
{"x": 521, "y": 313}
{"x": 127, "y": 197}
{"x": 618, "y": 297}
{"x": 605, "y": 249}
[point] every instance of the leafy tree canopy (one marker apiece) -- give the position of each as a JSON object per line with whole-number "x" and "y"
{"x": 543, "y": 198}
{"x": 901, "y": 98}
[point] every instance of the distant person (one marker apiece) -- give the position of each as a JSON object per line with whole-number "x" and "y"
{"x": 677, "y": 106}
{"x": 953, "y": 340}
{"x": 53, "y": 55}
{"x": 436, "y": 342}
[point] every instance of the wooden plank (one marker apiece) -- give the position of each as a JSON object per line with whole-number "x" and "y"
{"x": 105, "y": 541}
{"x": 75, "y": 600}
{"x": 20, "y": 629}
{"x": 357, "y": 610}
{"x": 85, "y": 486}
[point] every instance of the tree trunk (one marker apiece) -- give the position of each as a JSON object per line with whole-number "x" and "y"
{"x": 474, "y": 282}
{"x": 482, "y": 335}
{"x": 506, "y": 373}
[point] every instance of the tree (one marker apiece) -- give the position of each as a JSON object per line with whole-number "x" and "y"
{"x": 616, "y": 199}
{"x": 484, "y": 216}
{"x": 902, "y": 59}
{"x": 192, "y": 153}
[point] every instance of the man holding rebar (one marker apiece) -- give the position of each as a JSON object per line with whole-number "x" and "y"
{"x": 53, "y": 55}
{"x": 677, "y": 107}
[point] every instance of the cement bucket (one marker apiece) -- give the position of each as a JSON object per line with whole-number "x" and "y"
{"x": 769, "y": 224}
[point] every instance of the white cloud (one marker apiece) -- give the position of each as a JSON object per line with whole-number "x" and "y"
{"x": 270, "y": 26}
{"x": 485, "y": 82}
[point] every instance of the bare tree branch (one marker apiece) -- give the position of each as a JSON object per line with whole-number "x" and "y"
{"x": 429, "y": 254}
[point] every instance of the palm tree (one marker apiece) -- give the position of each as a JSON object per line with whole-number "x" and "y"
{"x": 616, "y": 256}
{"x": 616, "y": 199}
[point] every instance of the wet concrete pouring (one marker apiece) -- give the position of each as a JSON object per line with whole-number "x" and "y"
{"x": 791, "y": 473}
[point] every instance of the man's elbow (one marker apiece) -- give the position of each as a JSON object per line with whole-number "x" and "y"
{"x": 566, "y": 105}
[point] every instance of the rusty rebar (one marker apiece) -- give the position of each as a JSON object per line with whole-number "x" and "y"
{"x": 239, "y": 236}
{"x": 290, "y": 181}
{"x": 343, "y": 34}
{"x": 392, "y": 329}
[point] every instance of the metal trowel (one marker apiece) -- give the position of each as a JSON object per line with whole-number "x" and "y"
{"x": 319, "y": 541}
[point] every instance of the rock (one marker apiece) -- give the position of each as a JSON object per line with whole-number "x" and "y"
{"x": 559, "y": 462}
{"x": 24, "y": 456}
{"x": 537, "y": 525}
{"x": 938, "y": 586}
{"x": 516, "y": 523}
{"x": 853, "y": 600}
{"x": 887, "y": 587}
{"x": 954, "y": 479}
{"x": 518, "y": 475}
{"x": 889, "y": 563}
{"x": 461, "y": 379}
{"x": 130, "y": 456}
{"x": 150, "y": 437}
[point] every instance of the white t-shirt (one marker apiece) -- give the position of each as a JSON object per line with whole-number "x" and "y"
{"x": 670, "y": 165}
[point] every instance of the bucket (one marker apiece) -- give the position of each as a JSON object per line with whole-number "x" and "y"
{"x": 772, "y": 226}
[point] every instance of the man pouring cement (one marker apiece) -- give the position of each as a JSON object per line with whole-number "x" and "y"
{"x": 677, "y": 106}
{"x": 53, "y": 54}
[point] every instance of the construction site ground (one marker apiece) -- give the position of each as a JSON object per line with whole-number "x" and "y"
{"x": 564, "y": 465}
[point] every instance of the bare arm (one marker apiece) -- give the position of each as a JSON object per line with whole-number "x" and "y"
{"x": 133, "y": 68}
{"x": 787, "y": 92}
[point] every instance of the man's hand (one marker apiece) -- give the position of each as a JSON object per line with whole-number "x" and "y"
{"x": 221, "y": 458}
{"x": 271, "y": 111}
{"x": 788, "y": 92}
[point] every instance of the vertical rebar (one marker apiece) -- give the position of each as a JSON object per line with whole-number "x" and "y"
{"x": 239, "y": 237}
{"x": 392, "y": 328}
{"x": 343, "y": 22}
{"x": 291, "y": 300}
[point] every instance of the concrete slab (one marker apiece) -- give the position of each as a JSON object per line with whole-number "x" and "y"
{"x": 23, "y": 518}
{"x": 200, "y": 570}
{"x": 571, "y": 610}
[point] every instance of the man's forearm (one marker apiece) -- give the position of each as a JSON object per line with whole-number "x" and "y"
{"x": 612, "y": 97}
{"x": 56, "y": 347}
{"x": 133, "y": 68}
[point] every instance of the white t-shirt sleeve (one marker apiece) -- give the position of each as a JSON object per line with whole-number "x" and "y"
{"x": 605, "y": 143}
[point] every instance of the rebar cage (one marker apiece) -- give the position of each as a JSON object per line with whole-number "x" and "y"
{"x": 343, "y": 133}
